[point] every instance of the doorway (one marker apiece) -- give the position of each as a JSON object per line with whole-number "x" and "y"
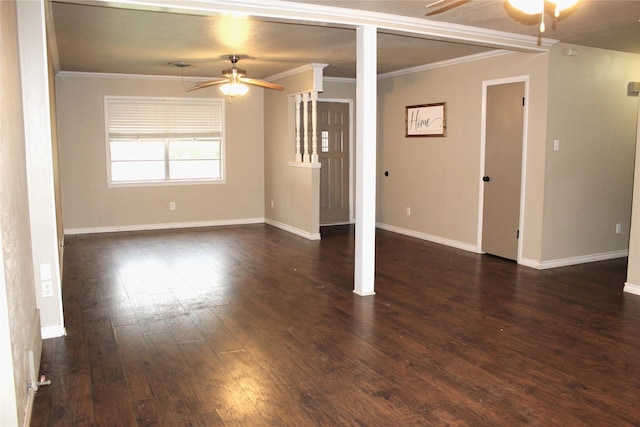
{"x": 334, "y": 148}
{"x": 505, "y": 105}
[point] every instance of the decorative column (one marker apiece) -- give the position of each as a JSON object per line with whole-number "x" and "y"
{"x": 314, "y": 127}
{"x": 305, "y": 121}
{"x": 298, "y": 157}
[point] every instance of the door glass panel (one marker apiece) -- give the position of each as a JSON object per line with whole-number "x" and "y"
{"x": 325, "y": 141}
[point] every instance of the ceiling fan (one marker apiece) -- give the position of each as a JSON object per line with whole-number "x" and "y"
{"x": 529, "y": 7}
{"x": 234, "y": 80}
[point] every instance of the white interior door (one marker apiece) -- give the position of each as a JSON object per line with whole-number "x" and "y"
{"x": 503, "y": 169}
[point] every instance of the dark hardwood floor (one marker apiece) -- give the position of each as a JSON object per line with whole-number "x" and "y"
{"x": 253, "y": 326}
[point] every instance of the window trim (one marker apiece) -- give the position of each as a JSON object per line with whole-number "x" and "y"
{"x": 165, "y": 182}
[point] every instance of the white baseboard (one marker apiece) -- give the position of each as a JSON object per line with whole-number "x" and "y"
{"x": 47, "y": 332}
{"x": 540, "y": 265}
{"x": 364, "y": 294}
{"x": 631, "y": 288}
{"x": 165, "y": 226}
{"x": 294, "y": 230}
{"x": 564, "y": 262}
{"x": 31, "y": 397}
{"x": 195, "y": 224}
{"x": 430, "y": 237}
{"x": 337, "y": 223}
{"x": 530, "y": 263}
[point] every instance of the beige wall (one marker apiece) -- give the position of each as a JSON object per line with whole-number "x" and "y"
{"x": 589, "y": 180}
{"x": 87, "y": 202}
{"x": 19, "y": 320}
{"x": 439, "y": 177}
{"x": 294, "y": 191}
{"x": 339, "y": 89}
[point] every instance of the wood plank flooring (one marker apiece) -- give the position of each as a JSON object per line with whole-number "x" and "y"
{"x": 253, "y": 326}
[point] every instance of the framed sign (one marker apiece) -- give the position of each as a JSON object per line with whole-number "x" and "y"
{"x": 426, "y": 120}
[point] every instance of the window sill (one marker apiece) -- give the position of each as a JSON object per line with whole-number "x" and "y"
{"x": 164, "y": 183}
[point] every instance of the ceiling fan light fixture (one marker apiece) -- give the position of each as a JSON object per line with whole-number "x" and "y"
{"x": 234, "y": 89}
{"x": 533, "y": 7}
{"x": 530, "y": 7}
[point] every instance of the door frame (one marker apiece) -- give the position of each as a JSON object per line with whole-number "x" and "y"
{"x": 483, "y": 131}
{"x": 352, "y": 218}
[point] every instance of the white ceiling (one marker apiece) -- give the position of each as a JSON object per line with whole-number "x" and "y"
{"x": 92, "y": 36}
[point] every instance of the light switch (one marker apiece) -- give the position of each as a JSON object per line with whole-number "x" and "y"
{"x": 45, "y": 271}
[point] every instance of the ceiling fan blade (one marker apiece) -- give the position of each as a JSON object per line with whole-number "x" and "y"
{"x": 261, "y": 83}
{"x": 444, "y": 5}
{"x": 207, "y": 84}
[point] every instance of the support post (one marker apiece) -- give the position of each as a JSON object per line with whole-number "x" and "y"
{"x": 366, "y": 99}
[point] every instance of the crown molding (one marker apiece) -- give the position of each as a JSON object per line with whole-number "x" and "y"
{"x": 315, "y": 67}
{"x": 449, "y": 62}
{"x": 340, "y": 79}
{"x": 130, "y": 76}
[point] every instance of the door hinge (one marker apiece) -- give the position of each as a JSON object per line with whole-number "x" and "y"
{"x": 517, "y": 234}
{"x": 523, "y": 104}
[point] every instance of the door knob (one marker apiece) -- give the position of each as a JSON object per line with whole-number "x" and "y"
{"x": 486, "y": 179}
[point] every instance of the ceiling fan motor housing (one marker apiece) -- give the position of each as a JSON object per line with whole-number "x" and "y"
{"x": 230, "y": 72}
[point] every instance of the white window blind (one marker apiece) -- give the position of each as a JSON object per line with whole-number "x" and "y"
{"x": 164, "y": 118}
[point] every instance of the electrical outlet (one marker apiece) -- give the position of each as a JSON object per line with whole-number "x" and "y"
{"x": 47, "y": 288}
{"x": 408, "y": 211}
{"x": 618, "y": 228}
{"x": 556, "y": 145}
{"x": 172, "y": 206}
{"x": 272, "y": 204}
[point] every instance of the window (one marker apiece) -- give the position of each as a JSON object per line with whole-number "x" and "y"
{"x": 324, "y": 138}
{"x": 164, "y": 140}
